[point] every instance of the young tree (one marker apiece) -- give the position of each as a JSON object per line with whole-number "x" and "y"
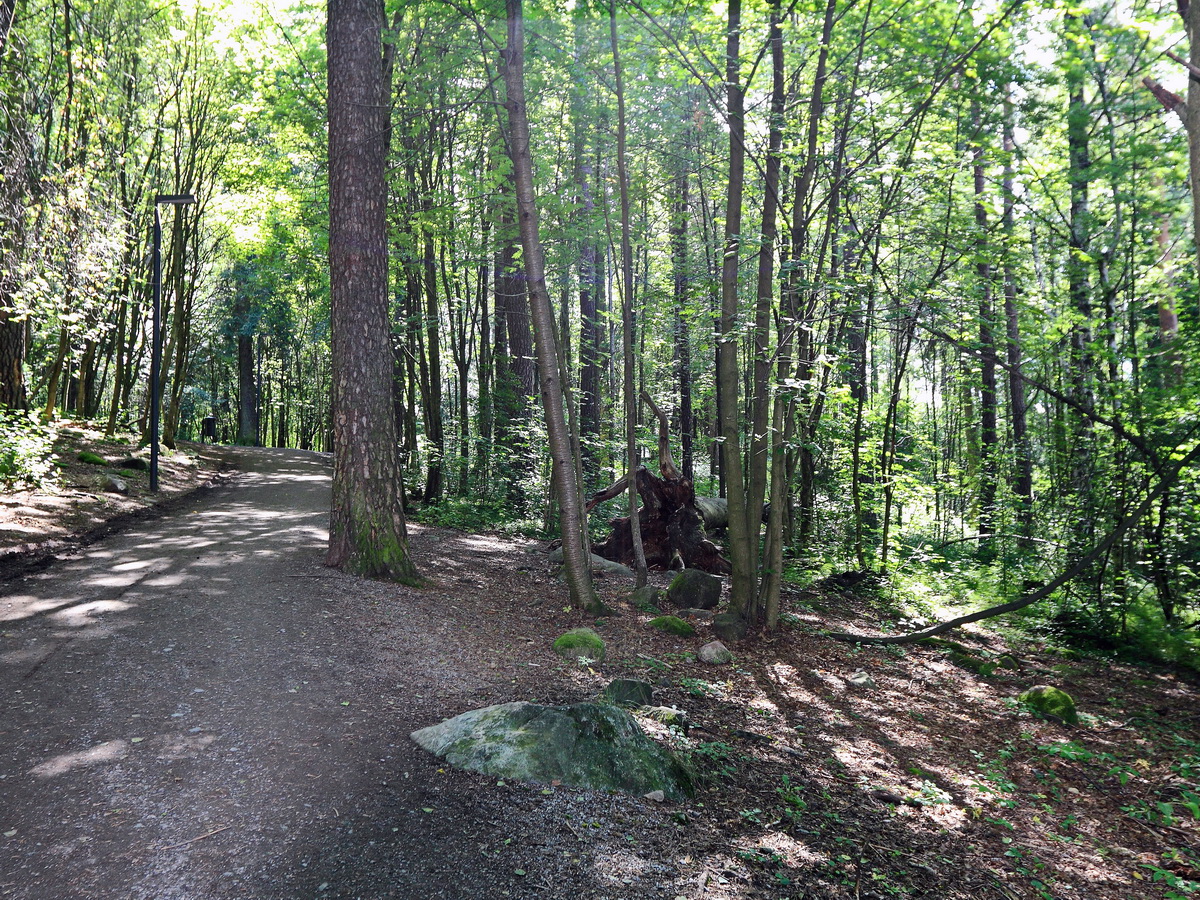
{"x": 566, "y": 475}
{"x": 367, "y": 532}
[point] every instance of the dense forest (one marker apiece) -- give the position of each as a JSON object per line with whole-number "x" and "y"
{"x": 914, "y": 282}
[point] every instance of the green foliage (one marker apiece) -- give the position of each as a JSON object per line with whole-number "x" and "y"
{"x": 26, "y": 452}
{"x": 714, "y": 761}
{"x": 475, "y": 514}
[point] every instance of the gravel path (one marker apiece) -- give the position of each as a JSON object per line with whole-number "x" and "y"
{"x": 196, "y": 708}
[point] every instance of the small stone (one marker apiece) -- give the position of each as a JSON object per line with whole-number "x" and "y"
{"x": 666, "y": 715}
{"x": 656, "y": 796}
{"x": 134, "y": 464}
{"x": 715, "y": 653}
{"x": 646, "y": 597}
{"x": 1051, "y": 702}
{"x": 115, "y": 485}
{"x": 861, "y": 680}
{"x": 580, "y": 643}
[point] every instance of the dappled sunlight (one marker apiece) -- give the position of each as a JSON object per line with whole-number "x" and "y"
{"x": 23, "y": 606}
{"x": 109, "y": 751}
{"x": 482, "y": 543}
{"x": 82, "y": 613}
{"x": 789, "y": 851}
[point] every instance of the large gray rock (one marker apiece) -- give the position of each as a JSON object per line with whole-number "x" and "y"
{"x": 600, "y": 565}
{"x": 715, "y": 654}
{"x": 693, "y": 589}
{"x": 588, "y": 745}
{"x": 730, "y": 627}
{"x": 115, "y": 485}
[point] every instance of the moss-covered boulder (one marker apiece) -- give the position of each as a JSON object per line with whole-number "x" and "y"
{"x": 92, "y": 459}
{"x": 693, "y": 589}
{"x": 646, "y": 598}
{"x": 673, "y": 625}
{"x": 580, "y": 643}
{"x": 1051, "y": 702}
{"x": 588, "y": 745}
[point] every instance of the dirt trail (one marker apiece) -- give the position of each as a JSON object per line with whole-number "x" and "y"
{"x": 196, "y": 708}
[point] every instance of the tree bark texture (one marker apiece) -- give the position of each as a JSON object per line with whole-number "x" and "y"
{"x": 742, "y": 536}
{"x": 367, "y": 532}
{"x": 565, "y": 472}
{"x": 629, "y": 388}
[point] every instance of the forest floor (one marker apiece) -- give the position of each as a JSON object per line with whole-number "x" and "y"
{"x": 191, "y": 706}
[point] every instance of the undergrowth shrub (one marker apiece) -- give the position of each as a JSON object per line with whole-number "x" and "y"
{"x": 26, "y": 451}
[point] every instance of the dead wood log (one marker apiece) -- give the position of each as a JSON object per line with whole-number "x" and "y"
{"x": 671, "y": 518}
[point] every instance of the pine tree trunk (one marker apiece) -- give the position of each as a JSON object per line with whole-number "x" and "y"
{"x": 367, "y": 532}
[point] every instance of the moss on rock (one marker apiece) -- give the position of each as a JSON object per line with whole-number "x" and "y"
{"x": 1051, "y": 701}
{"x": 673, "y": 625}
{"x": 588, "y": 745}
{"x": 580, "y": 643}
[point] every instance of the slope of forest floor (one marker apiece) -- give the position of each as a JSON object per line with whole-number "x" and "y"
{"x": 76, "y": 507}
{"x": 930, "y": 781}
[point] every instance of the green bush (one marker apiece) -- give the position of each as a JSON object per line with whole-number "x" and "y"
{"x": 26, "y": 451}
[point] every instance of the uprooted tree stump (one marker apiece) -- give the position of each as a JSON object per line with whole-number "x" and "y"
{"x": 671, "y": 522}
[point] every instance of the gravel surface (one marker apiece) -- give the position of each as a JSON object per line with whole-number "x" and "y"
{"x": 196, "y": 708}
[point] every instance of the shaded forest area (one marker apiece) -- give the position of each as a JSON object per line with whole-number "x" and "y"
{"x": 914, "y": 282}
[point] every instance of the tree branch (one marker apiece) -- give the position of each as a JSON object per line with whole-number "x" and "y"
{"x": 1164, "y": 485}
{"x": 1170, "y": 102}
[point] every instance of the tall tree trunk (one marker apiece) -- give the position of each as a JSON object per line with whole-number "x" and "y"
{"x": 988, "y": 440}
{"x": 630, "y": 389}
{"x": 683, "y": 345}
{"x": 1022, "y": 481}
{"x": 769, "y": 437}
{"x": 434, "y": 428}
{"x": 565, "y": 473}
{"x": 247, "y": 412}
{"x": 743, "y": 535}
{"x": 367, "y": 532}
{"x": 1081, "y": 363}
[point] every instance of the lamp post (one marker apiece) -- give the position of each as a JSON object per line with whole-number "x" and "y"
{"x": 156, "y": 329}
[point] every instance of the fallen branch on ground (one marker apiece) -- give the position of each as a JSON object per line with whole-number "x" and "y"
{"x": 1080, "y": 566}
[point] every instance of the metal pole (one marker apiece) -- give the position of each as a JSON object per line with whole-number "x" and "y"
{"x": 155, "y": 350}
